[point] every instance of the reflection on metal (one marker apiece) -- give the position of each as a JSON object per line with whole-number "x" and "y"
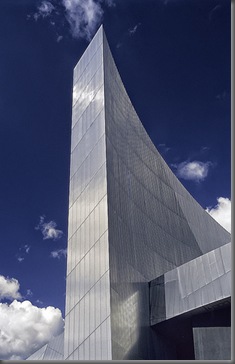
{"x": 87, "y": 329}
{"x": 54, "y": 350}
{"x": 130, "y": 219}
{"x": 142, "y": 253}
{"x": 203, "y": 281}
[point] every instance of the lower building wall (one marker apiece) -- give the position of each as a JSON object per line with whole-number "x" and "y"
{"x": 203, "y": 334}
{"x": 212, "y": 343}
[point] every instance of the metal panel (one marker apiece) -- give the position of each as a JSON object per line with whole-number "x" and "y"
{"x": 127, "y": 213}
{"x": 185, "y": 288}
{"x": 212, "y": 343}
{"x": 87, "y": 292}
{"x": 153, "y": 222}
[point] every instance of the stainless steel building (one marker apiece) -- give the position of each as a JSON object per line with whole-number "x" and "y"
{"x": 130, "y": 219}
{"x": 143, "y": 255}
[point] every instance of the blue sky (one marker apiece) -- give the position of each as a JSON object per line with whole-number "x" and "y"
{"x": 174, "y": 59}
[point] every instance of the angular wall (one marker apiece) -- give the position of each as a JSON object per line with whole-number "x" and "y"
{"x": 154, "y": 223}
{"x": 87, "y": 320}
{"x": 54, "y": 350}
{"x": 203, "y": 281}
{"x": 130, "y": 219}
{"x": 212, "y": 343}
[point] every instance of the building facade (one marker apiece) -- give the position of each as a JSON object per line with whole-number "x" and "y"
{"x": 130, "y": 219}
{"x": 143, "y": 256}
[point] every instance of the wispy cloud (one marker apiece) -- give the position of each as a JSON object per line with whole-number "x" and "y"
{"x": 163, "y": 147}
{"x": 59, "y": 38}
{"x": 9, "y": 288}
{"x": 222, "y": 96}
{"x": 214, "y": 11}
{"x": 25, "y": 328}
{"x": 204, "y": 149}
{"x": 26, "y": 248}
{"x": 44, "y": 10}
{"x": 20, "y": 259}
{"x": 110, "y": 3}
{"x": 39, "y": 302}
{"x": 23, "y": 251}
{"x": 59, "y": 253}
{"x": 29, "y": 292}
{"x": 83, "y": 16}
{"x": 133, "y": 30}
{"x": 194, "y": 171}
{"x": 48, "y": 229}
{"x": 222, "y": 212}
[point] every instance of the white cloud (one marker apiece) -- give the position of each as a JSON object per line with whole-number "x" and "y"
{"x": 25, "y": 328}
{"x": 23, "y": 251}
{"x": 134, "y": 29}
{"x": 20, "y": 259}
{"x": 48, "y": 229}
{"x": 44, "y": 10}
{"x": 195, "y": 171}
{"x": 83, "y": 16}
{"x": 59, "y": 38}
{"x": 26, "y": 248}
{"x": 222, "y": 212}
{"x": 59, "y": 253}
{"x": 9, "y": 288}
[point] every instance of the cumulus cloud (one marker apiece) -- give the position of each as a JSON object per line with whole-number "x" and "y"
{"x": 48, "y": 229}
{"x": 60, "y": 253}
{"x": 133, "y": 30}
{"x": 44, "y": 10}
{"x": 25, "y": 328}
{"x": 222, "y": 212}
{"x": 9, "y": 288}
{"x": 195, "y": 170}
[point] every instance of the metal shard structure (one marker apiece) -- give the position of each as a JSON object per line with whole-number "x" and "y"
{"x": 130, "y": 219}
{"x": 143, "y": 256}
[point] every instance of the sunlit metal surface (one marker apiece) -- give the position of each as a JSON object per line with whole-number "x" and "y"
{"x": 54, "y": 350}
{"x": 200, "y": 282}
{"x": 130, "y": 219}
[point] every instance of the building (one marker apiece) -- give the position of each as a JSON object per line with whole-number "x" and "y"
{"x": 143, "y": 255}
